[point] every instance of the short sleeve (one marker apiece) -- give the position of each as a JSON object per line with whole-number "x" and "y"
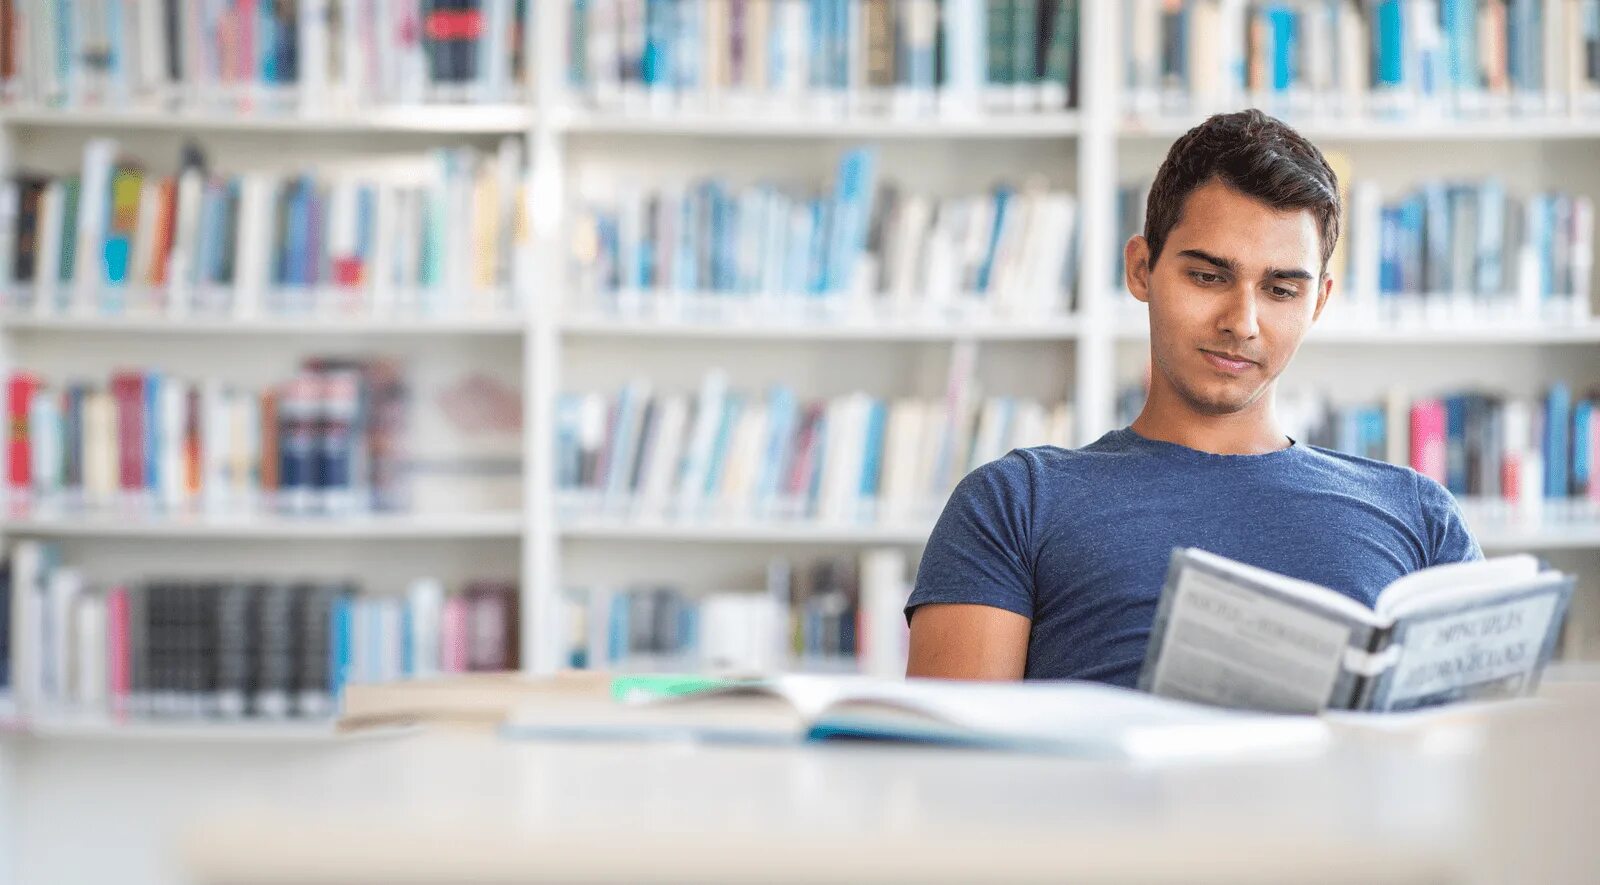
{"x": 1449, "y": 540}
{"x": 979, "y": 551}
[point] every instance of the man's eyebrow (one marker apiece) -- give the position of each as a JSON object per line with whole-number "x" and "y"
{"x": 1289, "y": 273}
{"x": 1227, "y": 264}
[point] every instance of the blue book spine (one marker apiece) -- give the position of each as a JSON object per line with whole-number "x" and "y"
{"x": 1491, "y": 237}
{"x": 821, "y": 28}
{"x": 567, "y": 455}
{"x": 656, "y": 31}
{"x": 617, "y": 641}
{"x": 1373, "y": 437}
{"x": 1411, "y": 215}
{"x": 819, "y": 461}
{"x": 1389, "y": 279}
{"x": 1582, "y": 415}
{"x": 339, "y": 644}
{"x": 1002, "y": 204}
{"x": 1437, "y": 236}
{"x": 732, "y": 408}
{"x": 296, "y": 235}
{"x": 1281, "y": 22}
{"x": 620, "y": 462}
{"x": 1455, "y": 470}
{"x": 816, "y": 245}
{"x": 781, "y": 415}
{"x": 872, "y": 460}
{"x": 1459, "y": 21}
{"x": 1557, "y": 446}
{"x": 852, "y": 210}
{"x": 153, "y": 443}
{"x": 1390, "y": 36}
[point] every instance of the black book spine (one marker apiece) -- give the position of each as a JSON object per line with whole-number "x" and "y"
{"x": 313, "y": 647}
{"x": 274, "y": 651}
{"x": 233, "y": 652}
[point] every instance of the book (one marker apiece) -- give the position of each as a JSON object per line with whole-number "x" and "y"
{"x": 1234, "y": 635}
{"x": 1073, "y": 718}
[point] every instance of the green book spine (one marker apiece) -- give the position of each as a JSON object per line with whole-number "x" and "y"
{"x": 1059, "y": 59}
{"x": 69, "y": 229}
{"x": 999, "y": 62}
{"x": 1024, "y": 35}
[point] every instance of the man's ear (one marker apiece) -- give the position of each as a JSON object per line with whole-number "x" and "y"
{"x": 1136, "y": 267}
{"x": 1322, "y": 296}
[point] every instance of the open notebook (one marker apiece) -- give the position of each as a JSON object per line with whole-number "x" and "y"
{"x": 1235, "y": 635}
{"x": 1077, "y": 718}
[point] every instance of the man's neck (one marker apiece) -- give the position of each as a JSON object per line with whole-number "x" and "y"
{"x": 1251, "y": 432}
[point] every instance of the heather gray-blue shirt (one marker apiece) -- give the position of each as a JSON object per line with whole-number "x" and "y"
{"x": 1078, "y": 540}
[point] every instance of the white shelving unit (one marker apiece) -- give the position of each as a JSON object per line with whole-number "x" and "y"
{"x": 1086, "y": 355}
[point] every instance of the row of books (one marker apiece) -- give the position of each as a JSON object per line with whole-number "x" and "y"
{"x": 1348, "y": 57}
{"x": 235, "y": 647}
{"x": 830, "y": 614}
{"x": 1479, "y": 444}
{"x": 263, "y": 56}
{"x": 905, "y": 57}
{"x": 864, "y": 247}
{"x": 118, "y": 239}
{"x": 1466, "y": 248}
{"x": 730, "y": 454}
{"x": 327, "y": 441}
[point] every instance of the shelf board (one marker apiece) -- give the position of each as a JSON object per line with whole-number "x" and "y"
{"x": 1043, "y": 329}
{"x": 750, "y": 532}
{"x": 266, "y": 526}
{"x": 441, "y": 119}
{"x": 755, "y": 125}
{"x": 1374, "y": 129}
{"x": 1442, "y": 334}
{"x": 308, "y": 325}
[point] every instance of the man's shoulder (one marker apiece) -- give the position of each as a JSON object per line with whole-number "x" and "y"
{"x": 1367, "y": 473}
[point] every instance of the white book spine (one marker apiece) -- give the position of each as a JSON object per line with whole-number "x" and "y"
{"x": 46, "y": 270}
{"x": 174, "y": 400}
{"x": 883, "y": 599}
{"x": 65, "y": 585}
{"x": 89, "y": 274}
{"x": 254, "y": 243}
{"x": 27, "y": 631}
{"x": 181, "y": 266}
{"x": 89, "y": 641}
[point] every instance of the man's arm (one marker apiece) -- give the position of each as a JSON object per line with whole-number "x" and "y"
{"x": 959, "y": 641}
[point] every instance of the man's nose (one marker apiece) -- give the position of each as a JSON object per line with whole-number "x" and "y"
{"x": 1239, "y": 316}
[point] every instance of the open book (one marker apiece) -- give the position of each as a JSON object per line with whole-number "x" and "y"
{"x": 1239, "y": 636}
{"x": 1078, "y": 718}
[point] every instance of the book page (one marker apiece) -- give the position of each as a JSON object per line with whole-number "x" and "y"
{"x": 1226, "y": 644}
{"x": 1485, "y": 650}
{"x": 1428, "y": 587}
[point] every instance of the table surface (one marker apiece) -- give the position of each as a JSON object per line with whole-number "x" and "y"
{"x": 440, "y": 807}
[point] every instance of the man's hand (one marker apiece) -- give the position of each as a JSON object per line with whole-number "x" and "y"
{"x": 967, "y": 642}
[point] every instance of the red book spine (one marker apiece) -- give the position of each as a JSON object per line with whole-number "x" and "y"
{"x": 127, "y": 389}
{"x": 19, "y": 451}
{"x": 165, "y": 221}
{"x": 453, "y": 635}
{"x": 119, "y": 656}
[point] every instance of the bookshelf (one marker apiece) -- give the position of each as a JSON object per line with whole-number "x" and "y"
{"x": 552, "y": 346}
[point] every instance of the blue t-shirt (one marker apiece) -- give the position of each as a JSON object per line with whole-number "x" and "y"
{"x": 1079, "y": 540}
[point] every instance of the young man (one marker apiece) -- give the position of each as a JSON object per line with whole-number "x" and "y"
{"x": 1048, "y": 563}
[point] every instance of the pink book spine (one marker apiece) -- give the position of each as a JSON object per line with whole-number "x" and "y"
{"x": 1428, "y": 439}
{"x": 453, "y": 636}
{"x": 1594, "y": 456}
{"x": 118, "y": 652}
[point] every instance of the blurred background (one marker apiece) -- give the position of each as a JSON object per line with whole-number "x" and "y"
{"x": 349, "y": 341}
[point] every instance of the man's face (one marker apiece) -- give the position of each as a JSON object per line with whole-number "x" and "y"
{"x": 1236, "y": 288}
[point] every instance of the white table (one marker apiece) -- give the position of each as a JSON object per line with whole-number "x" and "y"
{"x": 442, "y": 807}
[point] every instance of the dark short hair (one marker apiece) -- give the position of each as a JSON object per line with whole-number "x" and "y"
{"x": 1255, "y": 154}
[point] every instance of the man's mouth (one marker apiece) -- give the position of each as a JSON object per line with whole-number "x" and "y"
{"x": 1229, "y": 362}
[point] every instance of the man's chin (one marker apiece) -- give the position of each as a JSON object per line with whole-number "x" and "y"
{"x": 1219, "y": 403}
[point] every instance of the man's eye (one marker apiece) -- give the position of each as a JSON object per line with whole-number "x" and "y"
{"x": 1201, "y": 276}
{"x": 1282, "y": 293}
